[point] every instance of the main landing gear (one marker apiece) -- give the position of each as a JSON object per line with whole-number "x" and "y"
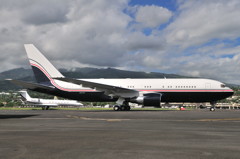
{"x": 121, "y": 108}
{"x": 123, "y": 105}
{"x": 45, "y": 107}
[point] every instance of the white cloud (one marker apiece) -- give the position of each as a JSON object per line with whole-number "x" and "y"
{"x": 138, "y": 41}
{"x": 152, "y": 16}
{"x": 43, "y": 12}
{"x": 201, "y": 21}
{"x": 88, "y": 32}
{"x": 100, "y": 33}
{"x": 224, "y": 69}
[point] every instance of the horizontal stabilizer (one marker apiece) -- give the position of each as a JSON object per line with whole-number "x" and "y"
{"x": 30, "y": 85}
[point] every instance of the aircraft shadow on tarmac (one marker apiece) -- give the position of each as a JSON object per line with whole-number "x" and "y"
{"x": 15, "y": 116}
{"x": 126, "y": 111}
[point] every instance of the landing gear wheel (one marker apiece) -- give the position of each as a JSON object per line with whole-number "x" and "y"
{"x": 116, "y": 108}
{"x": 45, "y": 108}
{"x": 213, "y": 103}
{"x": 123, "y": 107}
{"x": 212, "y": 109}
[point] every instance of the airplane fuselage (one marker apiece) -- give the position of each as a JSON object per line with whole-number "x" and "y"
{"x": 172, "y": 90}
{"x": 52, "y": 102}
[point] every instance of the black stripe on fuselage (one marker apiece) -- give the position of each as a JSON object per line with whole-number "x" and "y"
{"x": 166, "y": 96}
{"x": 194, "y": 96}
{"x": 40, "y": 76}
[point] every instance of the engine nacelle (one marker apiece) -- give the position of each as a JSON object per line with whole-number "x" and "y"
{"x": 151, "y": 99}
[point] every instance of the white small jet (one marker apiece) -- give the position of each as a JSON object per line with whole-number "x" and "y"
{"x": 47, "y": 103}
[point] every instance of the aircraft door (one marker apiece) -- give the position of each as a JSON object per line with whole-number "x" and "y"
{"x": 208, "y": 85}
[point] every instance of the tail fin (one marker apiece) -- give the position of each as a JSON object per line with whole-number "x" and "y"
{"x": 43, "y": 70}
{"x": 25, "y": 95}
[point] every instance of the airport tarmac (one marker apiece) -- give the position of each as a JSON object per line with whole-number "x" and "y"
{"x": 63, "y": 134}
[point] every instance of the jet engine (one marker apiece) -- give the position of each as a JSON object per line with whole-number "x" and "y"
{"x": 151, "y": 99}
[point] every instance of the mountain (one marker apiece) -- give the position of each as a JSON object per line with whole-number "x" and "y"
{"x": 27, "y": 75}
{"x": 17, "y": 73}
{"x": 113, "y": 73}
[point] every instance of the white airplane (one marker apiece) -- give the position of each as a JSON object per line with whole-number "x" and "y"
{"x": 147, "y": 92}
{"x": 47, "y": 103}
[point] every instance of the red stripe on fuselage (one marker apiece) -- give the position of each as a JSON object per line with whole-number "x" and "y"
{"x": 149, "y": 90}
{"x": 188, "y": 90}
{"x": 56, "y": 85}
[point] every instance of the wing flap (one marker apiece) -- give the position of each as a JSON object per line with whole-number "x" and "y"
{"x": 107, "y": 89}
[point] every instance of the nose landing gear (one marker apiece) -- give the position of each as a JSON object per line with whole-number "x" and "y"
{"x": 213, "y": 108}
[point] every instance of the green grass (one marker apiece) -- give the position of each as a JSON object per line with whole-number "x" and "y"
{"x": 82, "y": 108}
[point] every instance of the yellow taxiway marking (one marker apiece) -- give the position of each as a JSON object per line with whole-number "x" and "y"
{"x": 224, "y": 119}
{"x": 99, "y": 119}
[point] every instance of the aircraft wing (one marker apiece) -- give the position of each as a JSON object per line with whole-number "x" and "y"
{"x": 107, "y": 89}
{"x": 30, "y": 85}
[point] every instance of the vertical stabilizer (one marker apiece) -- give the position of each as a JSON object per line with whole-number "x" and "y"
{"x": 25, "y": 95}
{"x": 43, "y": 70}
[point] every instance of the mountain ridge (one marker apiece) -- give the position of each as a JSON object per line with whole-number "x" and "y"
{"x": 86, "y": 72}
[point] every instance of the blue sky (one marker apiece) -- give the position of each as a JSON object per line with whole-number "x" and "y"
{"x": 169, "y": 4}
{"x": 199, "y": 38}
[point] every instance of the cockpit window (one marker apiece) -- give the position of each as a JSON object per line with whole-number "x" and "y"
{"x": 223, "y": 85}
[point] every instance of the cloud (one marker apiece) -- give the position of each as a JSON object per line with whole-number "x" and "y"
{"x": 152, "y": 16}
{"x": 201, "y": 21}
{"x": 43, "y": 12}
{"x": 139, "y": 41}
{"x": 200, "y": 38}
{"x": 224, "y": 69}
{"x": 92, "y": 36}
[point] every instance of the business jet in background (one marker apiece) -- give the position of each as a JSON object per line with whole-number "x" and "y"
{"x": 47, "y": 103}
{"x": 147, "y": 92}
